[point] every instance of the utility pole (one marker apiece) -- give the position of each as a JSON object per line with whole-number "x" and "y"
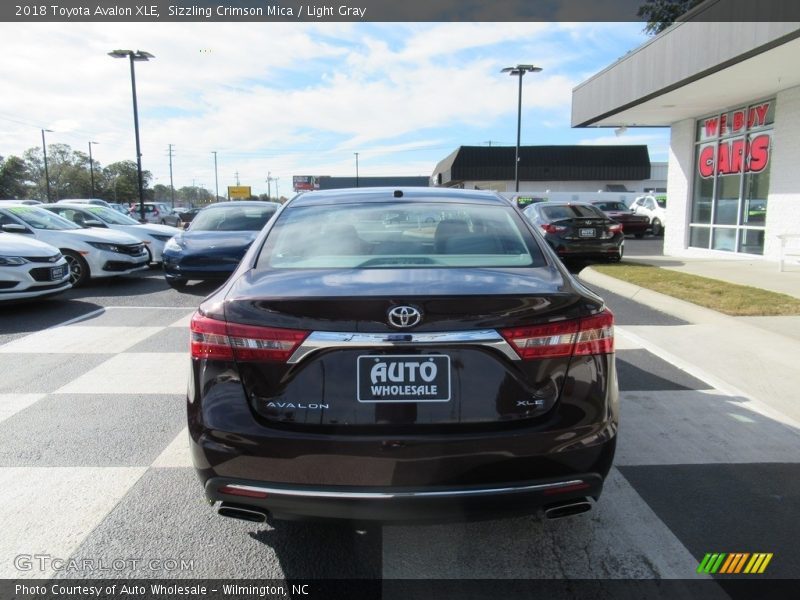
{"x": 216, "y": 178}
{"x": 237, "y": 178}
{"x": 356, "y": 153}
{"x": 171, "y": 184}
{"x": 269, "y": 185}
{"x": 91, "y": 166}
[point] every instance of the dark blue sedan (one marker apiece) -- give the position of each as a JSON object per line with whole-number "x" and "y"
{"x": 215, "y": 242}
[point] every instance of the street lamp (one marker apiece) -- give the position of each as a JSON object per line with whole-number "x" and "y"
{"x": 216, "y": 178}
{"x": 519, "y": 71}
{"x": 91, "y": 165}
{"x": 46, "y": 174}
{"x": 139, "y": 55}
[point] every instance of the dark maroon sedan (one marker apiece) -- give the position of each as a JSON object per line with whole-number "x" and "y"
{"x": 446, "y": 368}
{"x": 632, "y": 224}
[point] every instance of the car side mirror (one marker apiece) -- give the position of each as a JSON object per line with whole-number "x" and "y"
{"x": 93, "y": 223}
{"x": 15, "y": 228}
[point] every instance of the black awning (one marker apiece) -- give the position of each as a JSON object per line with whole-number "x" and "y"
{"x": 547, "y": 163}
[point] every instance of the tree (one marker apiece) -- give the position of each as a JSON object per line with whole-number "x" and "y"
{"x": 13, "y": 178}
{"x": 119, "y": 182}
{"x": 660, "y": 14}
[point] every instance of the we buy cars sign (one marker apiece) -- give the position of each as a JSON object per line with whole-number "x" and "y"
{"x": 736, "y": 155}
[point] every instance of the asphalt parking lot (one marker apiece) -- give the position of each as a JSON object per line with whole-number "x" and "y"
{"x": 94, "y": 466}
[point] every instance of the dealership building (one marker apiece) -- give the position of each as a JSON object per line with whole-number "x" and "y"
{"x": 545, "y": 170}
{"x": 730, "y": 94}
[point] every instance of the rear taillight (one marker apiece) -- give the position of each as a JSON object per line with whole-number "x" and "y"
{"x": 579, "y": 337}
{"x": 615, "y": 228}
{"x": 550, "y": 228}
{"x": 219, "y": 340}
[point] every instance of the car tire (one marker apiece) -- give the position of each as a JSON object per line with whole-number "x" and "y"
{"x": 78, "y": 268}
{"x": 658, "y": 228}
{"x": 177, "y": 284}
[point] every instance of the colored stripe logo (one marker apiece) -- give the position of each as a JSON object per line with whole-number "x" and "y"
{"x": 734, "y": 563}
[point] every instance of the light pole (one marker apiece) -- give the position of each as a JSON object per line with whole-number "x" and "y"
{"x": 46, "y": 174}
{"x": 356, "y": 153}
{"x": 269, "y": 185}
{"x": 139, "y": 55}
{"x": 91, "y": 165}
{"x": 519, "y": 71}
{"x": 216, "y": 178}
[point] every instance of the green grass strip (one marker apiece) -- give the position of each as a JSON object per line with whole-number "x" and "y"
{"x": 724, "y": 297}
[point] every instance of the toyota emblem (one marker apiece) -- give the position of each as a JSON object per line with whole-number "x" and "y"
{"x": 404, "y": 316}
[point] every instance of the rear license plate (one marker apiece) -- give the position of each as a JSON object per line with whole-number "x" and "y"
{"x": 586, "y": 232}
{"x": 403, "y": 378}
{"x": 58, "y": 272}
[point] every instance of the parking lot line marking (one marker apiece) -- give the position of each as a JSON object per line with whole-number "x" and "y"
{"x": 177, "y": 453}
{"x": 77, "y": 339}
{"x": 88, "y": 315}
{"x": 11, "y": 404}
{"x": 69, "y": 501}
{"x": 751, "y": 403}
{"x": 134, "y": 373}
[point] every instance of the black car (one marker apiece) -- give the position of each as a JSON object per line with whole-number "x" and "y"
{"x": 632, "y": 224}
{"x": 578, "y": 230}
{"x": 215, "y": 242}
{"x": 361, "y": 370}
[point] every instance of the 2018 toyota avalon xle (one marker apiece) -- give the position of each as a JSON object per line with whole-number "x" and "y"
{"x": 430, "y": 369}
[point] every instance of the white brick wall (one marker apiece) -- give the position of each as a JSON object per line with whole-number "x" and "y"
{"x": 679, "y": 182}
{"x": 783, "y": 209}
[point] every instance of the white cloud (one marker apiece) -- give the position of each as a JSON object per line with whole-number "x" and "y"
{"x": 287, "y": 98}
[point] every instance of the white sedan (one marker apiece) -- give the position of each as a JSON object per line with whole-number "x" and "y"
{"x": 152, "y": 235}
{"x": 88, "y": 252}
{"x": 29, "y": 269}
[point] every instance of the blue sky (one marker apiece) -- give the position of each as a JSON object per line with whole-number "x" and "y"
{"x": 301, "y": 99}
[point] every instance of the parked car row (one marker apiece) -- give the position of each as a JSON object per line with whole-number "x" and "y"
{"x": 88, "y": 252}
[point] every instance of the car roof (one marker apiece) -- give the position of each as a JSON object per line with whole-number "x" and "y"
{"x": 395, "y": 194}
{"x": 242, "y": 203}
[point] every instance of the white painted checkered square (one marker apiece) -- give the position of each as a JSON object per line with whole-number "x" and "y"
{"x": 77, "y": 339}
{"x": 135, "y": 373}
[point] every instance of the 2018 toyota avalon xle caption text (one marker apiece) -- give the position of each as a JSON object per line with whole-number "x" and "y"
{"x": 446, "y": 366}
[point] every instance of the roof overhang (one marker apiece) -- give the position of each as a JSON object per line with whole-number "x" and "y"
{"x": 690, "y": 70}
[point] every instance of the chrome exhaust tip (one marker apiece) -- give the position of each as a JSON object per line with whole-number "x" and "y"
{"x": 254, "y": 515}
{"x": 567, "y": 509}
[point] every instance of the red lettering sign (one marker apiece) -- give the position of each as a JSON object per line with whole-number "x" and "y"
{"x": 735, "y": 156}
{"x": 706, "y": 162}
{"x": 711, "y": 127}
{"x": 738, "y": 120}
{"x": 759, "y": 154}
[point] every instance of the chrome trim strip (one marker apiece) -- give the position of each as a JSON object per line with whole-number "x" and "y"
{"x": 391, "y": 495}
{"x": 318, "y": 340}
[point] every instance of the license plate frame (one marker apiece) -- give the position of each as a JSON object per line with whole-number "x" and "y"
{"x": 58, "y": 272}
{"x": 587, "y": 232}
{"x": 441, "y": 380}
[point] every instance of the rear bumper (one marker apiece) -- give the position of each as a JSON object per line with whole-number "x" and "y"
{"x": 442, "y": 503}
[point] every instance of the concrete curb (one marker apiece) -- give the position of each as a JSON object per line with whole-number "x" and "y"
{"x": 733, "y": 356}
{"x": 666, "y": 304}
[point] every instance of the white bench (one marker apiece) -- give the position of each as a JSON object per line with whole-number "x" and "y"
{"x": 790, "y": 248}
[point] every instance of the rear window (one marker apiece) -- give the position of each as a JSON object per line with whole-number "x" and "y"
{"x": 583, "y": 211}
{"x": 394, "y": 235}
{"x": 233, "y": 218}
{"x": 611, "y": 206}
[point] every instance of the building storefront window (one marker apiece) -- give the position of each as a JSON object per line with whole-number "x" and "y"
{"x": 731, "y": 180}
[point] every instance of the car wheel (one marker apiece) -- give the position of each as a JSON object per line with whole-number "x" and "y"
{"x": 177, "y": 284}
{"x": 658, "y": 228}
{"x": 78, "y": 269}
